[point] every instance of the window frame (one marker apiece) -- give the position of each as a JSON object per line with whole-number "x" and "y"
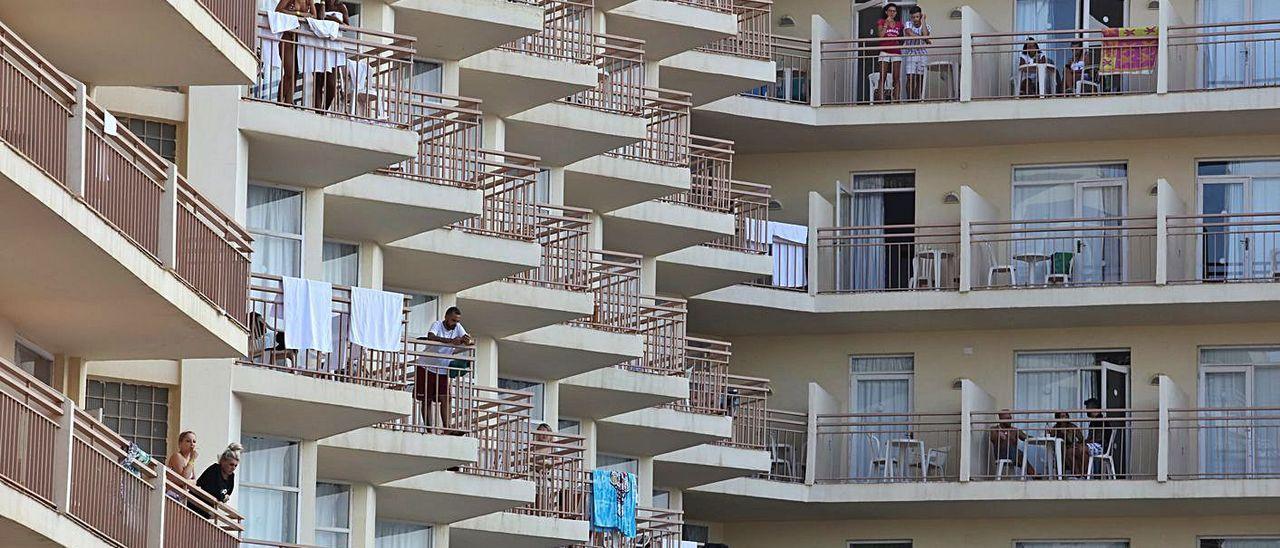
{"x": 301, "y": 236}
{"x": 119, "y": 418}
{"x": 296, "y": 490}
{"x": 350, "y": 507}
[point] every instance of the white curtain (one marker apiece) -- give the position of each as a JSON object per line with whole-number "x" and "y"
{"x": 1040, "y": 202}
{"x": 888, "y": 391}
{"x": 1222, "y": 57}
{"x": 1100, "y": 257}
{"x": 273, "y": 213}
{"x": 1248, "y": 543}
{"x": 333, "y": 511}
{"x": 865, "y": 262}
{"x": 1265, "y": 69}
{"x": 270, "y": 514}
{"x": 341, "y": 263}
{"x": 1233, "y": 447}
{"x": 395, "y": 534}
{"x": 1037, "y": 15}
{"x": 1265, "y": 197}
{"x": 790, "y": 253}
{"x": 1051, "y": 381}
{"x": 1073, "y": 544}
{"x": 423, "y": 311}
{"x": 883, "y": 364}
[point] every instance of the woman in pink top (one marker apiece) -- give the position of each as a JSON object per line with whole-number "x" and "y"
{"x": 889, "y": 30}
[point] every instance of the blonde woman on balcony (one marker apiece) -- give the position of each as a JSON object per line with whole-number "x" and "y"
{"x": 219, "y": 479}
{"x": 183, "y": 461}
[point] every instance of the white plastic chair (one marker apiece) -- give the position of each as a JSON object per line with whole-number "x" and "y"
{"x": 996, "y": 267}
{"x": 880, "y": 461}
{"x": 1275, "y": 264}
{"x": 780, "y": 456}
{"x": 1006, "y": 464}
{"x": 934, "y": 461}
{"x": 1106, "y": 466}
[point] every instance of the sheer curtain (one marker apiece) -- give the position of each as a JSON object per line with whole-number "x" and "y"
{"x": 866, "y": 260}
{"x": 333, "y": 515}
{"x": 1101, "y": 250}
{"x": 1073, "y": 544}
{"x": 341, "y": 263}
{"x": 1222, "y": 57}
{"x": 268, "y": 497}
{"x": 274, "y": 217}
{"x": 396, "y": 534}
{"x": 1265, "y": 197}
{"x": 881, "y": 384}
{"x": 1040, "y": 202}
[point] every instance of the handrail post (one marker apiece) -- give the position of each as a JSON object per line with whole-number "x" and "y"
{"x": 155, "y": 507}
{"x": 76, "y": 141}
{"x": 63, "y": 445}
{"x": 167, "y": 247}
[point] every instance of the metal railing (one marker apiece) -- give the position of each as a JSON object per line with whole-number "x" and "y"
{"x": 663, "y": 323}
{"x": 620, "y": 90}
{"x": 666, "y": 139}
{"x": 501, "y": 423}
{"x": 51, "y": 122}
{"x": 792, "y": 57}
{"x": 655, "y": 528}
{"x": 443, "y": 388}
{"x": 707, "y": 368}
{"x": 361, "y": 74}
{"x": 1224, "y": 443}
{"x": 1066, "y": 444}
{"x": 346, "y": 362}
{"x": 711, "y": 168}
{"x": 1224, "y": 55}
{"x": 787, "y": 440}
{"x": 236, "y": 15}
{"x": 1231, "y": 247}
{"x": 562, "y": 484}
{"x": 614, "y": 281}
{"x": 449, "y": 140}
{"x": 874, "y": 70}
{"x": 888, "y": 258}
{"x": 755, "y": 34}
{"x": 30, "y": 412}
{"x": 750, "y": 206}
{"x": 747, "y": 401}
{"x": 790, "y": 266}
{"x": 194, "y": 519}
{"x": 888, "y": 447}
{"x": 1079, "y": 62}
{"x": 566, "y": 262}
{"x": 566, "y": 32}
{"x": 1064, "y": 252}
{"x": 509, "y": 182}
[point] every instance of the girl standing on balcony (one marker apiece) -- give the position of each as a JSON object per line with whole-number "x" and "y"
{"x": 183, "y": 461}
{"x": 289, "y": 47}
{"x": 889, "y": 30}
{"x": 326, "y": 91}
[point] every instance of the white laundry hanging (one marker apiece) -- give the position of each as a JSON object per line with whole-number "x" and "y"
{"x": 377, "y": 319}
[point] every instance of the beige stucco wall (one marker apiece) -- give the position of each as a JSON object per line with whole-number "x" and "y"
{"x": 794, "y": 360}
{"x": 1141, "y": 532}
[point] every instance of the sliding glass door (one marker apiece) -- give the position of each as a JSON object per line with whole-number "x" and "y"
{"x": 1088, "y": 198}
{"x": 1236, "y": 386}
{"x": 1237, "y": 243}
{"x": 1234, "y": 60}
{"x": 874, "y": 207}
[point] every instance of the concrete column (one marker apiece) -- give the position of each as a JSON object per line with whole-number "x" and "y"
{"x": 307, "y": 461}
{"x": 168, "y": 229}
{"x": 208, "y": 407}
{"x": 486, "y": 360}
{"x": 76, "y": 139}
{"x": 217, "y": 154}
{"x": 555, "y": 177}
{"x": 649, "y": 276}
{"x": 973, "y": 208}
{"x": 377, "y": 16}
{"x": 644, "y": 482}
{"x": 595, "y": 233}
{"x": 313, "y": 233}
{"x": 676, "y": 496}
{"x": 652, "y": 70}
{"x": 1165, "y": 66}
{"x": 819, "y": 30}
{"x": 62, "y": 454}
{"x": 821, "y": 214}
{"x": 74, "y": 374}
{"x": 1173, "y": 455}
{"x": 449, "y": 77}
{"x": 551, "y": 404}
{"x": 973, "y": 399}
{"x": 364, "y": 515}
{"x": 834, "y": 454}
{"x": 370, "y": 265}
{"x": 495, "y": 133}
{"x": 440, "y": 536}
{"x": 155, "y": 508}
{"x": 970, "y": 23}
{"x": 1170, "y": 255}
{"x": 588, "y": 430}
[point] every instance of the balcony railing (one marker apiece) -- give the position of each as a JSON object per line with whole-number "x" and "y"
{"x": 51, "y": 121}
{"x": 792, "y": 58}
{"x": 1224, "y": 55}
{"x": 614, "y": 281}
{"x": 889, "y": 258}
{"x": 362, "y": 74}
{"x": 566, "y": 260}
{"x": 655, "y": 528}
{"x": 1066, "y": 444}
{"x": 509, "y": 182}
{"x": 1064, "y": 252}
{"x": 566, "y": 33}
{"x": 449, "y": 140}
{"x": 888, "y": 447}
{"x": 1236, "y": 247}
{"x": 750, "y": 206}
{"x": 1224, "y": 443}
{"x": 1075, "y": 62}
{"x": 711, "y": 168}
{"x": 621, "y": 88}
{"x": 501, "y": 423}
{"x": 707, "y": 367}
{"x": 790, "y": 266}
{"x": 928, "y": 70}
{"x": 754, "y": 38}
{"x": 662, "y": 322}
{"x": 236, "y": 15}
{"x": 666, "y": 139}
{"x": 562, "y": 484}
{"x": 347, "y": 362}
{"x": 442, "y": 380}
{"x": 786, "y": 439}
{"x": 64, "y": 459}
{"x": 747, "y": 401}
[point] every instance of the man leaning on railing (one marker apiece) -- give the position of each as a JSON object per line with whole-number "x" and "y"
{"x": 431, "y": 381}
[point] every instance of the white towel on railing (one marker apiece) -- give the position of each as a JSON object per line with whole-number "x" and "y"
{"x": 308, "y": 306}
{"x": 110, "y": 125}
{"x": 790, "y": 265}
{"x": 376, "y": 319}
{"x": 325, "y": 28}
{"x": 282, "y": 22}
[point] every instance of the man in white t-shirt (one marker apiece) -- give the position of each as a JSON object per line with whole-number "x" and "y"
{"x": 431, "y": 381}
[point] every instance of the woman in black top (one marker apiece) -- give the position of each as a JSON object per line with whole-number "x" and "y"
{"x": 219, "y": 479}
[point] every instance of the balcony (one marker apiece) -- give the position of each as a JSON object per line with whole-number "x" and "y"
{"x": 793, "y": 72}
{"x": 741, "y": 258}
{"x": 556, "y": 62}
{"x": 745, "y": 399}
{"x": 501, "y": 242}
{"x": 654, "y": 527}
{"x": 730, "y": 65}
{"x": 457, "y": 29}
{"x": 283, "y": 391}
{"x": 611, "y": 114}
{"x": 122, "y": 235}
{"x": 189, "y": 42}
{"x": 68, "y": 480}
{"x": 607, "y": 336}
{"x": 652, "y": 168}
{"x": 674, "y": 27}
{"x": 345, "y": 127}
{"x": 434, "y": 189}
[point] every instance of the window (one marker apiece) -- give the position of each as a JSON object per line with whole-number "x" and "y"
{"x": 542, "y": 187}
{"x": 1230, "y": 191}
{"x": 570, "y": 426}
{"x": 527, "y": 386}
{"x": 879, "y": 544}
{"x": 1237, "y": 378}
{"x": 617, "y": 463}
{"x": 1240, "y": 542}
{"x": 353, "y": 9}
{"x": 426, "y": 77}
{"x": 696, "y": 533}
{"x": 661, "y": 499}
{"x": 1065, "y": 380}
{"x": 139, "y": 413}
{"x": 424, "y": 310}
{"x": 1072, "y": 544}
{"x": 275, "y": 220}
{"x": 34, "y": 361}
{"x": 876, "y": 200}
{"x": 341, "y": 263}
{"x": 398, "y": 534}
{"x": 269, "y": 489}
{"x": 158, "y": 136}
{"x": 880, "y": 386}
{"x": 333, "y": 515}
{"x": 1089, "y": 195}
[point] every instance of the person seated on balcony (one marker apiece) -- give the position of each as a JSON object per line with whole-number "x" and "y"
{"x": 889, "y": 30}
{"x": 1005, "y": 438}
{"x": 1101, "y": 428}
{"x": 183, "y": 461}
{"x": 1029, "y": 62}
{"x": 915, "y": 60}
{"x": 1080, "y": 69}
{"x": 326, "y": 91}
{"x": 1075, "y": 452}
{"x": 219, "y": 479}
{"x": 289, "y": 49}
{"x": 431, "y": 382}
